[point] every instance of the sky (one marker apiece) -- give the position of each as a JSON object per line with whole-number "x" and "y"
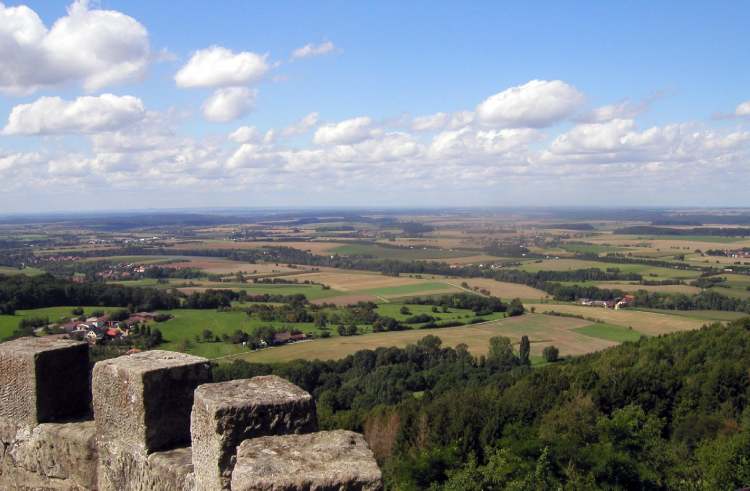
{"x": 115, "y": 105}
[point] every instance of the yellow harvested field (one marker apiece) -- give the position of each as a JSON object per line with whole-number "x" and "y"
{"x": 628, "y": 287}
{"x": 501, "y": 289}
{"x": 314, "y": 247}
{"x": 349, "y": 281}
{"x": 649, "y": 323}
{"x": 677, "y": 246}
{"x": 542, "y": 331}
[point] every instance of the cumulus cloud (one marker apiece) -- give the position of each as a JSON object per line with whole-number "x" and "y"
{"x": 535, "y": 104}
{"x": 245, "y": 134}
{"x": 310, "y": 50}
{"x": 229, "y": 103}
{"x": 441, "y": 120}
{"x": 479, "y": 144}
{"x": 620, "y": 142}
{"x": 98, "y": 48}
{"x": 88, "y": 114}
{"x": 302, "y": 126}
{"x": 743, "y": 109}
{"x": 622, "y": 110}
{"x": 348, "y": 131}
{"x": 220, "y": 67}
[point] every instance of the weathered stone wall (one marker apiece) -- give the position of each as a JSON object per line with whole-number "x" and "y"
{"x": 159, "y": 425}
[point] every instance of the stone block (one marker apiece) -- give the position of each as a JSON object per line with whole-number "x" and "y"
{"x": 143, "y": 401}
{"x": 43, "y": 380}
{"x": 224, "y": 414}
{"x": 331, "y": 460}
{"x": 50, "y": 456}
{"x": 125, "y": 469}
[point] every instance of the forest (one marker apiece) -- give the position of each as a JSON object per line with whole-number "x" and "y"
{"x": 662, "y": 413}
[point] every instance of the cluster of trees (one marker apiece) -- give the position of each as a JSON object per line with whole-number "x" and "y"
{"x": 661, "y": 413}
{"x": 31, "y": 292}
{"x": 712, "y": 231}
{"x": 706, "y": 300}
{"x": 478, "y": 304}
{"x": 160, "y": 272}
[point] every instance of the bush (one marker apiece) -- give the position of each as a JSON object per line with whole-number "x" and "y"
{"x": 551, "y": 354}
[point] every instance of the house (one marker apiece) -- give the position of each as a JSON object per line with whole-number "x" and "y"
{"x": 625, "y": 301}
{"x": 288, "y": 337}
{"x": 94, "y": 337}
{"x": 113, "y": 332}
{"x": 282, "y": 337}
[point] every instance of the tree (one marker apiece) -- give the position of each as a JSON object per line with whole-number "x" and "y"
{"x": 551, "y": 354}
{"x": 515, "y": 308}
{"x": 320, "y": 320}
{"x": 524, "y": 351}
{"x": 500, "y": 356}
{"x": 404, "y": 310}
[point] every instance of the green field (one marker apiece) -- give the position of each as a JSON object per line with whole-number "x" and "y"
{"x": 590, "y": 248}
{"x": 408, "y": 289}
{"x": 27, "y": 271}
{"x": 312, "y": 292}
{"x": 9, "y": 323}
{"x": 189, "y": 323}
{"x": 610, "y": 332}
{"x": 393, "y": 310}
{"x": 647, "y": 271}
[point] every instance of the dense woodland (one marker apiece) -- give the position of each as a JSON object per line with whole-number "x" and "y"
{"x": 663, "y": 413}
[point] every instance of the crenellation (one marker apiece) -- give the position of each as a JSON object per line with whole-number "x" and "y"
{"x": 160, "y": 426}
{"x": 43, "y": 380}
{"x": 224, "y": 414}
{"x": 338, "y": 460}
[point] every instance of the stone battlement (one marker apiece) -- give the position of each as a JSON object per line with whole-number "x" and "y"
{"x": 160, "y": 424}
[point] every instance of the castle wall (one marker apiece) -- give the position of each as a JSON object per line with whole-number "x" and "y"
{"x": 160, "y": 425}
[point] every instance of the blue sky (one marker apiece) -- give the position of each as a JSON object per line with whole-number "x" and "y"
{"x": 669, "y": 80}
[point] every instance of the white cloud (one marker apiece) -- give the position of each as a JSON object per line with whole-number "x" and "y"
{"x": 468, "y": 143}
{"x": 594, "y": 137}
{"x": 310, "y": 50}
{"x": 441, "y": 120}
{"x": 618, "y": 142}
{"x": 245, "y": 134}
{"x": 229, "y": 103}
{"x": 302, "y": 126}
{"x": 536, "y": 104}
{"x": 743, "y": 109}
{"x": 96, "y": 47}
{"x": 16, "y": 161}
{"x": 431, "y": 122}
{"x": 348, "y": 131}
{"x": 88, "y": 114}
{"x": 220, "y": 67}
{"x": 622, "y": 110}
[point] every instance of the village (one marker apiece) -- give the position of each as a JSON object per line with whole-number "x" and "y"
{"x": 617, "y": 303}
